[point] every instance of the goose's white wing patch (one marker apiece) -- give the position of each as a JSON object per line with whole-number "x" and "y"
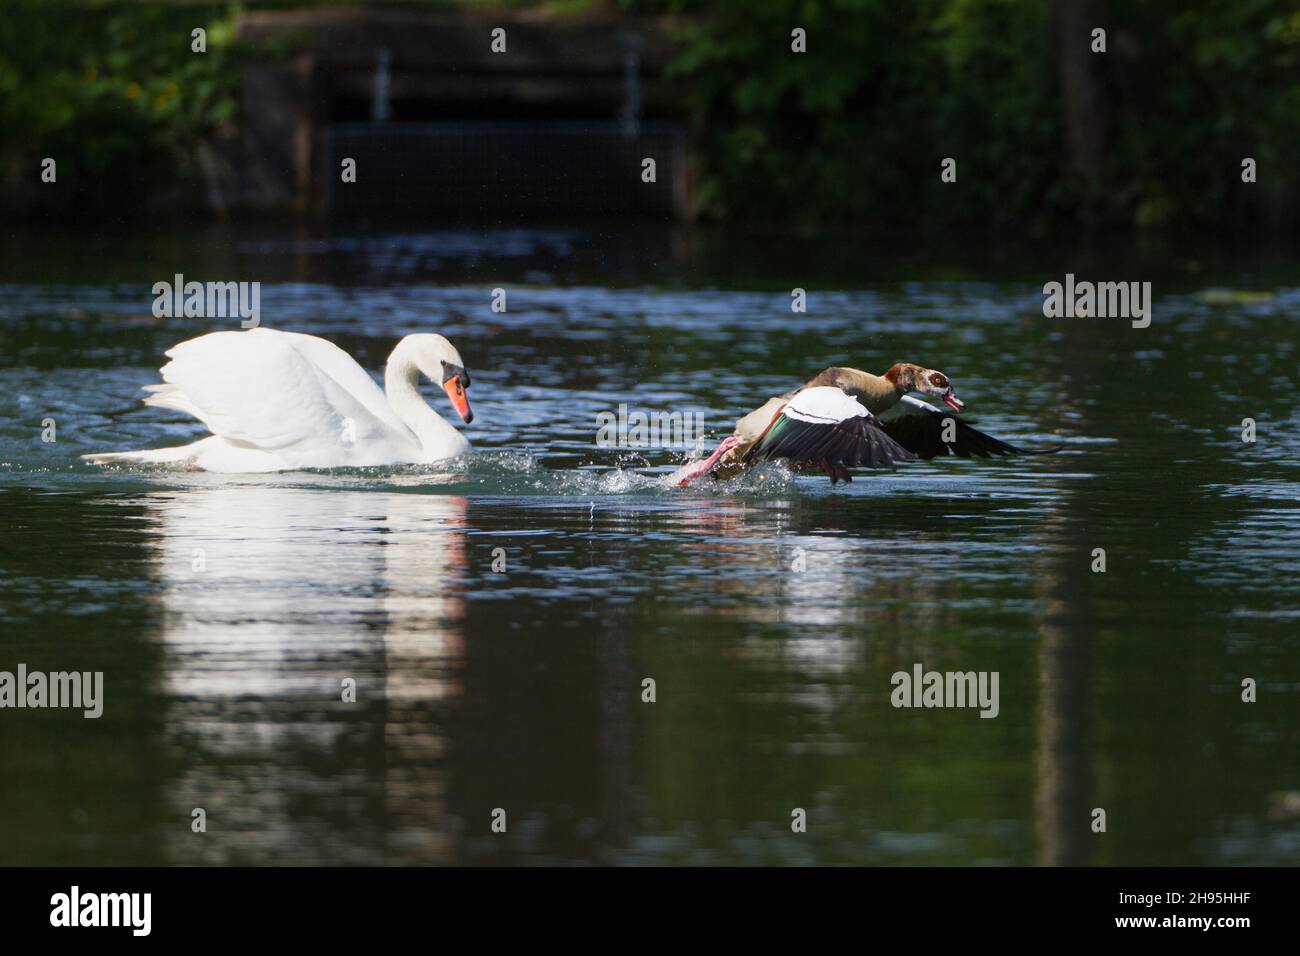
{"x": 824, "y": 404}
{"x": 827, "y": 427}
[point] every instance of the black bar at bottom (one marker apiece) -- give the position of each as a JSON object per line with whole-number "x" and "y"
{"x": 331, "y": 906}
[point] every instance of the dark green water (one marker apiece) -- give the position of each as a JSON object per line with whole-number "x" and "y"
{"x": 521, "y": 689}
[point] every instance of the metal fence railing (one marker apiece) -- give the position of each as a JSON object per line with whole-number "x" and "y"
{"x": 505, "y": 169}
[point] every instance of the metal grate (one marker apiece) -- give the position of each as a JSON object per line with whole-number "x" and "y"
{"x": 506, "y": 170}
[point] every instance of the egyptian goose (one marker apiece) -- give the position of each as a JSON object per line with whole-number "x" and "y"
{"x": 844, "y": 417}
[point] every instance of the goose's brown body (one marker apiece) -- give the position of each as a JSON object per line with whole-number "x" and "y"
{"x": 878, "y": 393}
{"x": 845, "y": 418}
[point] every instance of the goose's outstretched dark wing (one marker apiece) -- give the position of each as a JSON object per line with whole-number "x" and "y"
{"x": 823, "y": 425}
{"x": 921, "y": 428}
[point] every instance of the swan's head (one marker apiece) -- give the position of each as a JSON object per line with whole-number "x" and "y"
{"x": 915, "y": 378}
{"x": 439, "y": 361}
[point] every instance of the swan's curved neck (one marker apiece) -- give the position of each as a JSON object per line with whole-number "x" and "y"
{"x": 401, "y": 385}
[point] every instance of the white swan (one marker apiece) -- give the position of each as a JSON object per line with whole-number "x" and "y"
{"x": 278, "y": 401}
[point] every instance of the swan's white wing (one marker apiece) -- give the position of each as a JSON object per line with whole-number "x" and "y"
{"x": 259, "y": 389}
{"x": 343, "y": 368}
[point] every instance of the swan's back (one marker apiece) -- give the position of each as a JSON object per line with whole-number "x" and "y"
{"x": 294, "y": 395}
{"x": 222, "y": 347}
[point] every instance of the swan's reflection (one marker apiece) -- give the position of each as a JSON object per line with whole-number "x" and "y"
{"x": 274, "y": 597}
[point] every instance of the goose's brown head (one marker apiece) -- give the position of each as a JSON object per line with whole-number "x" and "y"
{"x": 907, "y": 377}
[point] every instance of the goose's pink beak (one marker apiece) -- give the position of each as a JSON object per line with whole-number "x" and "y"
{"x": 952, "y": 401}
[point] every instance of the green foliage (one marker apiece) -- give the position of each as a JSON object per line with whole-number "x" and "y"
{"x": 1206, "y": 85}
{"x": 111, "y": 91}
{"x": 852, "y": 131}
{"x": 855, "y": 129}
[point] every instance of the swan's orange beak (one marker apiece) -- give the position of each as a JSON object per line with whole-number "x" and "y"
{"x": 459, "y": 399}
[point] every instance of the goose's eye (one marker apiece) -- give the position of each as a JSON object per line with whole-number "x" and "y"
{"x": 938, "y": 381}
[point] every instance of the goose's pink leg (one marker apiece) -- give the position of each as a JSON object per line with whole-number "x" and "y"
{"x": 691, "y": 472}
{"x": 836, "y": 471}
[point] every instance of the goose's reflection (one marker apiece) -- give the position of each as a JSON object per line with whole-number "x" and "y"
{"x": 780, "y": 568}
{"x": 274, "y": 600}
